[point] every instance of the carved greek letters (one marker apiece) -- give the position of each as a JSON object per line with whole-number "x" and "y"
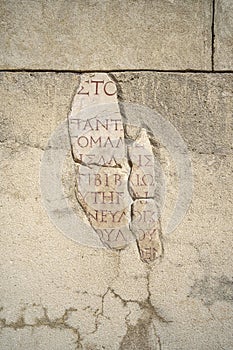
{"x": 115, "y": 179}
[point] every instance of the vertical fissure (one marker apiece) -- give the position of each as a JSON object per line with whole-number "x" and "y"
{"x": 213, "y": 35}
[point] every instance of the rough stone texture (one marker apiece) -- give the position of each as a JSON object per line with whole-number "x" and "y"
{"x": 105, "y": 35}
{"x": 223, "y": 55}
{"x": 198, "y": 105}
{"x": 41, "y": 338}
{"x": 58, "y": 294}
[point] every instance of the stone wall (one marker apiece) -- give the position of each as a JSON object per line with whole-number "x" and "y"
{"x": 171, "y": 62}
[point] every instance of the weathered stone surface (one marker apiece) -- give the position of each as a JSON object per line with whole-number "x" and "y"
{"x": 76, "y": 295}
{"x": 107, "y": 35}
{"x": 223, "y": 53}
{"x": 201, "y": 111}
{"x": 197, "y": 259}
{"x": 41, "y": 338}
{"x": 35, "y": 95}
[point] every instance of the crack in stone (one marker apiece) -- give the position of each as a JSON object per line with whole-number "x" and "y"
{"x": 141, "y": 334}
{"x": 145, "y": 321}
{"x": 100, "y": 313}
{"x": 58, "y": 323}
{"x": 158, "y": 339}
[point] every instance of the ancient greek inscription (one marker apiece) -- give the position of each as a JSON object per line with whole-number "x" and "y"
{"x": 115, "y": 177}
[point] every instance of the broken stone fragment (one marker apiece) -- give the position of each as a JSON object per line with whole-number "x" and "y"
{"x": 146, "y": 227}
{"x": 111, "y": 173}
{"x": 95, "y": 123}
{"x": 142, "y": 182}
{"x": 103, "y": 194}
{"x": 98, "y": 145}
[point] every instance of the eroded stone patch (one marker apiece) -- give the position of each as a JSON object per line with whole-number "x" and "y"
{"x": 115, "y": 176}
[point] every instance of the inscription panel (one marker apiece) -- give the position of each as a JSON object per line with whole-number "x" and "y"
{"x": 115, "y": 176}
